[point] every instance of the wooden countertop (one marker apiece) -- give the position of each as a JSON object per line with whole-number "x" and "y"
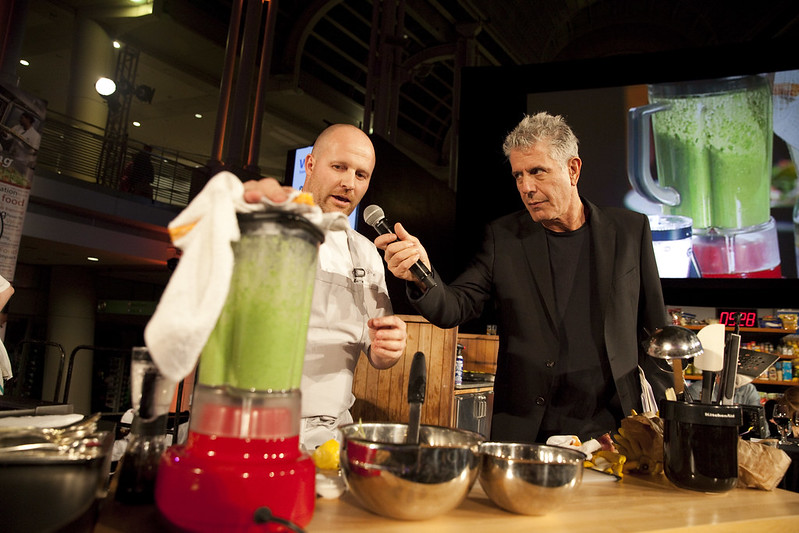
{"x": 634, "y": 504}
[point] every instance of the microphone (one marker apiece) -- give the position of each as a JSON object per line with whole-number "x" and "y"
{"x": 374, "y": 216}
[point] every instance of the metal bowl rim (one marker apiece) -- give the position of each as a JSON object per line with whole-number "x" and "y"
{"x": 478, "y": 438}
{"x": 572, "y": 454}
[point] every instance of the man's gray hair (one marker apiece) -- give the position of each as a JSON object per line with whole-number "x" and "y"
{"x": 543, "y": 127}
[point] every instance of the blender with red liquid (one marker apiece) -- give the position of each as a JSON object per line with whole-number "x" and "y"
{"x": 713, "y": 152}
{"x": 242, "y": 469}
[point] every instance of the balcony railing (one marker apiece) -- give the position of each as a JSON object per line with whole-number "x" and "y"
{"x": 75, "y": 149}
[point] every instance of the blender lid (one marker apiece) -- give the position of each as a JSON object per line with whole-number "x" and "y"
{"x": 696, "y": 88}
{"x": 251, "y": 220}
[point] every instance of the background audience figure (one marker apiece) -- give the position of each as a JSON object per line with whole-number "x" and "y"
{"x": 791, "y": 398}
{"x": 21, "y": 143}
{"x": 139, "y": 174}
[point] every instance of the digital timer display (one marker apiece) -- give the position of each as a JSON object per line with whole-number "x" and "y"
{"x": 743, "y": 317}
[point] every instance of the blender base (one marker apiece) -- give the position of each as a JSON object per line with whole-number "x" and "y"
{"x": 225, "y": 484}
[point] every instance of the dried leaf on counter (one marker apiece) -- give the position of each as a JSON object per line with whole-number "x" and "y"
{"x": 760, "y": 466}
{"x": 608, "y": 462}
{"x": 640, "y": 440}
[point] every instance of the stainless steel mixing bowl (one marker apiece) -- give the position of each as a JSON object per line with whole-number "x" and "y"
{"x": 530, "y": 479}
{"x": 409, "y": 481}
{"x": 51, "y": 486}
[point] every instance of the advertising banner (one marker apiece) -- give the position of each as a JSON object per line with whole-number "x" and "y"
{"x": 21, "y": 118}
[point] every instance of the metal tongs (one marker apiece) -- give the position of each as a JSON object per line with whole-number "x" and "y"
{"x": 730, "y": 369}
{"x": 69, "y": 439}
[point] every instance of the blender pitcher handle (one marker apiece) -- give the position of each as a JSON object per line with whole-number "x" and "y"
{"x": 639, "y": 124}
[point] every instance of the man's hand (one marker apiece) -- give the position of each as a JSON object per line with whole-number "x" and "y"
{"x": 388, "y": 337}
{"x": 254, "y": 190}
{"x": 402, "y": 253}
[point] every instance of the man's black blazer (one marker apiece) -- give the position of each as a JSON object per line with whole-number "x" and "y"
{"x": 512, "y": 269}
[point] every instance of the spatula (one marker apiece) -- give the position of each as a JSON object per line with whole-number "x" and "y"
{"x": 417, "y": 383}
{"x": 711, "y": 360}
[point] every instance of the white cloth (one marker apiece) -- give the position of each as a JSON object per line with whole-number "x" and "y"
{"x": 350, "y": 288}
{"x": 648, "y": 401}
{"x": 573, "y": 441}
{"x": 196, "y": 292}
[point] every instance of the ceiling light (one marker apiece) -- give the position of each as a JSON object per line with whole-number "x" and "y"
{"x": 136, "y": 123}
{"x": 198, "y": 115}
{"x": 90, "y": 258}
{"x": 105, "y": 86}
{"x": 117, "y": 45}
{"x": 24, "y": 62}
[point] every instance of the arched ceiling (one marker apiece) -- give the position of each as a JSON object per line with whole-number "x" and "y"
{"x": 320, "y": 61}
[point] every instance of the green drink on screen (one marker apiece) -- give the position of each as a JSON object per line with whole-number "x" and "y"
{"x": 714, "y": 146}
{"x": 259, "y": 340}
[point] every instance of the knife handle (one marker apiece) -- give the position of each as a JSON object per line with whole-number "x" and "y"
{"x": 730, "y": 370}
{"x": 417, "y": 379}
{"x": 708, "y": 377}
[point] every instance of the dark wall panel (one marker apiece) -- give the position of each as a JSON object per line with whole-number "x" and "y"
{"x": 425, "y": 206}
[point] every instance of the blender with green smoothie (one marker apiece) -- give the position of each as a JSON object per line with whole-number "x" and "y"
{"x": 259, "y": 341}
{"x": 242, "y": 465}
{"x": 713, "y": 154}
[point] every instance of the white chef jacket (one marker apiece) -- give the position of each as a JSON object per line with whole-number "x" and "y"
{"x": 350, "y": 288}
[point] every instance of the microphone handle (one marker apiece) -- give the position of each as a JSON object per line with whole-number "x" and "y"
{"x": 382, "y": 227}
{"x": 423, "y": 273}
{"x": 418, "y": 269}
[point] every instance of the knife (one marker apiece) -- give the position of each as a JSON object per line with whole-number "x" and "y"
{"x": 417, "y": 383}
{"x": 730, "y": 369}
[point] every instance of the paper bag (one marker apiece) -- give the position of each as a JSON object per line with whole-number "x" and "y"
{"x": 760, "y": 466}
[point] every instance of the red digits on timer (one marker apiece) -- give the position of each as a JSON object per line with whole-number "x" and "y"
{"x": 730, "y": 318}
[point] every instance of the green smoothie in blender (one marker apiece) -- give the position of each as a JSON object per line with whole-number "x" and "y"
{"x": 259, "y": 340}
{"x": 715, "y": 149}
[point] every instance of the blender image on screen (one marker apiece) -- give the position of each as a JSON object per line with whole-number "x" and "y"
{"x": 713, "y": 152}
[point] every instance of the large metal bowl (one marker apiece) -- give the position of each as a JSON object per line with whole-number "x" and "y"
{"x": 530, "y": 479}
{"x": 47, "y": 489}
{"x": 409, "y": 481}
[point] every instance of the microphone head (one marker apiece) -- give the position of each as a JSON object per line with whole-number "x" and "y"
{"x": 373, "y": 214}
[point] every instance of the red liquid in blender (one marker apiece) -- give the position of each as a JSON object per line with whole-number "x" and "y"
{"x": 750, "y": 258}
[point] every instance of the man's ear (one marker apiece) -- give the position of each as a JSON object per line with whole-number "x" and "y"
{"x": 309, "y": 164}
{"x": 575, "y": 164}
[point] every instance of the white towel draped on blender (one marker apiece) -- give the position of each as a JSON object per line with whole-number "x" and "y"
{"x": 195, "y": 295}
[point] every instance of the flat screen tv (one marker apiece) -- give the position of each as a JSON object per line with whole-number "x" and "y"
{"x": 710, "y": 124}
{"x": 295, "y": 175}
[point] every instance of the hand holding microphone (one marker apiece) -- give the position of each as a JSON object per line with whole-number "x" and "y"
{"x": 374, "y": 216}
